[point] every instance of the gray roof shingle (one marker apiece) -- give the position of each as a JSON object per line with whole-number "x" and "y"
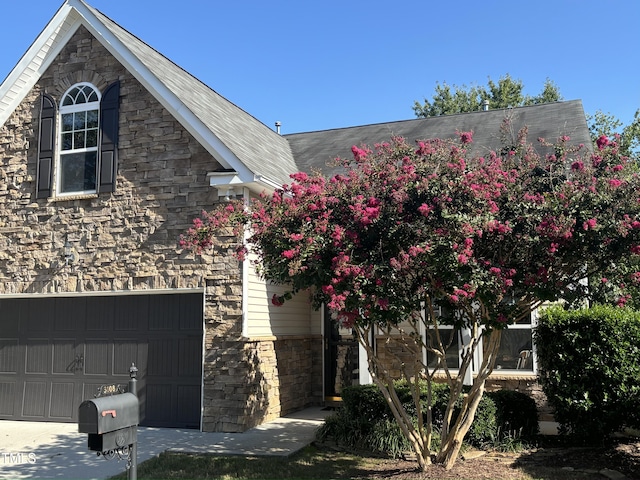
{"x": 314, "y": 150}
{"x": 265, "y": 152}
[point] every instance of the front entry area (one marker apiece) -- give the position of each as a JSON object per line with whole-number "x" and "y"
{"x": 57, "y": 351}
{"x": 341, "y": 360}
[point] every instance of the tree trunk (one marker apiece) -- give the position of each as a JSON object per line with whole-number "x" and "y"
{"x": 450, "y": 447}
{"x": 421, "y": 444}
{"x": 452, "y": 442}
{"x": 420, "y": 447}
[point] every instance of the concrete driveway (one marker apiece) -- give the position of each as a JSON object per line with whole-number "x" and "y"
{"x": 57, "y": 450}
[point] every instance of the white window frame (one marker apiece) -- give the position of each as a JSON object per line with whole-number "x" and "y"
{"x": 464, "y": 335}
{"x": 533, "y": 356}
{"x": 425, "y": 352}
{"x": 70, "y": 109}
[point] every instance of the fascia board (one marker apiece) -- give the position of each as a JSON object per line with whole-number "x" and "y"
{"x": 224, "y": 178}
{"x": 36, "y": 60}
{"x": 221, "y": 180}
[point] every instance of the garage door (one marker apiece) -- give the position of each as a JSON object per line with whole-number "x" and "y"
{"x": 56, "y": 352}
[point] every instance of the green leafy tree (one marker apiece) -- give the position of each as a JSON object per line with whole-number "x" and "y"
{"x": 607, "y": 288}
{"x": 627, "y": 137}
{"x": 406, "y": 229}
{"x": 507, "y": 92}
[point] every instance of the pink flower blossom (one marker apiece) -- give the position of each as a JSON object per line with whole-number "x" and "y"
{"x": 277, "y": 301}
{"x": 241, "y": 253}
{"x": 383, "y": 303}
{"x": 347, "y": 319}
{"x": 578, "y": 166}
{"x": 300, "y": 177}
{"x": 589, "y": 224}
{"x": 414, "y": 251}
{"x": 358, "y": 153}
{"x": 602, "y": 142}
{"x": 425, "y": 209}
{"x": 622, "y": 301}
{"x": 328, "y": 289}
{"x": 460, "y": 293}
{"x": 466, "y": 137}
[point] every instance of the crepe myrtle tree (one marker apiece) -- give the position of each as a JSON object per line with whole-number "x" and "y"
{"x": 405, "y": 229}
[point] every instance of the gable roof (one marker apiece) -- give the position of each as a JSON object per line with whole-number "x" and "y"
{"x": 314, "y": 150}
{"x": 234, "y": 138}
{"x": 251, "y": 153}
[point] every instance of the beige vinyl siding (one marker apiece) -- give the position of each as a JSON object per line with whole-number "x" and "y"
{"x": 316, "y": 322}
{"x": 266, "y": 320}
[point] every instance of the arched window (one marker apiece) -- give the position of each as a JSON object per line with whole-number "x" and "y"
{"x": 79, "y": 133}
{"x": 79, "y": 142}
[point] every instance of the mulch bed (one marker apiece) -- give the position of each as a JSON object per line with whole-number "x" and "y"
{"x": 565, "y": 463}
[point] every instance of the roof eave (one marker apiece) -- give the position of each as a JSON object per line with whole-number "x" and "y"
{"x": 36, "y": 60}
{"x": 230, "y": 179}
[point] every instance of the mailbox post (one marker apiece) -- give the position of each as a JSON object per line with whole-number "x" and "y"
{"x": 112, "y": 425}
{"x": 133, "y": 388}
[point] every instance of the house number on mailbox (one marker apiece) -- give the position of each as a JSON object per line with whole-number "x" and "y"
{"x": 106, "y": 390}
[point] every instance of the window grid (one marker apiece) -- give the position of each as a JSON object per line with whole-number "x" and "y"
{"x": 79, "y": 121}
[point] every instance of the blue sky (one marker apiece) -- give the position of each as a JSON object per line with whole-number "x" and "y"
{"x": 316, "y": 65}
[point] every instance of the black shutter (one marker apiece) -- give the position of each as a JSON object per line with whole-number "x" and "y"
{"x": 46, "y": 146}
{"x": 108, "y": 158}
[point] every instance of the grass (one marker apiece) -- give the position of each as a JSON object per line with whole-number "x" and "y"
{"x": 309, "y": 463}
{"x": 323, "y": 461}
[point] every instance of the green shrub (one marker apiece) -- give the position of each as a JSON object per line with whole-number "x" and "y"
{"x": 365, "y": 420}
{"x": 589, "y": 369}
{"x": 516, "y": 414}
{"x": 484, "y": 427}
{"x": 365, "y": 401}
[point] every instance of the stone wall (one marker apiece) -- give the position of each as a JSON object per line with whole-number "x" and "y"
{"x": 271, "y": 378}
{"x": 127, "y": 240}
{"x": 399, "y": 359}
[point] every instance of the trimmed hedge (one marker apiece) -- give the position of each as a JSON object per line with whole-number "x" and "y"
{"x": 516, "y": 413}
{"x": 365, "y": 421}
{"x": 590, "y": 369}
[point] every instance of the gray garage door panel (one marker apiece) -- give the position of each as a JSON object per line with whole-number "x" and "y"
{"x": 56, "y": 352}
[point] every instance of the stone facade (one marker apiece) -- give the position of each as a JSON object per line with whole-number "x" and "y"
{"x": 127, "y": 240}
{"x": 270, "y": 378}
{"x": 397, "y": 356}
